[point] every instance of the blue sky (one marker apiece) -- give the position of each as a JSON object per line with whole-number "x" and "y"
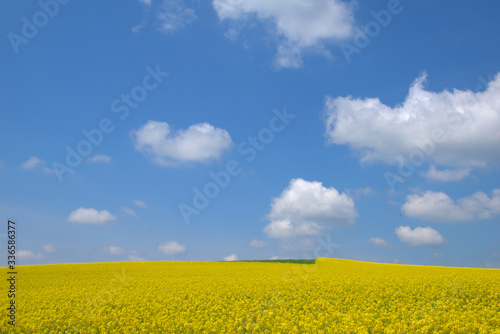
{"x": 222, "y": 130}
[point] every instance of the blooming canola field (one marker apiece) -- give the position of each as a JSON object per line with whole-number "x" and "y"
{"x": 330, "y": 296}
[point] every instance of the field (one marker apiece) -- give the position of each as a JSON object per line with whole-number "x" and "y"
{"x": 328, "y": 296}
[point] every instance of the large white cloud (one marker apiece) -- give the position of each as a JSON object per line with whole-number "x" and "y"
{"x": 172, "y": 248}
{"x": 90, "y": 216}
{"x": 420, "y": 236}
{"x": 297, "y": 24}
{"x": 437, "y": 206}
{"x": 308, "y": 208}
{"x": 199, "y": 142}
{"x": 453, "y": 128}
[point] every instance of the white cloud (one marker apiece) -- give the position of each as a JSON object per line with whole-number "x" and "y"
{"x": 135, "y": 258}
{"x": 173, "y": 15}
{"x": 457, "y": 128}
{"x": 420, "y": 236}
{"x": 28, "y": 255}
{"x": 379, "y": 242}
{"x": 298, "y": 25}
{"x": 361, "y": 192}
{"x": 171, "y": 248}
{"x": 100, "y": 158}
{"x": 49, "y": 248}
{"x": 446, "y": 175}
{"x": 48, "y": 170}
{"x": 114, "y": 250}
{"x": 437, "y": 206}
{"x": 138, "y": 27}
{"x": 90, "y": 216}
{"x": 168, "y": 15}
{"x": 32, "y": 163}
{"x": 258, "y": 244}
{"x": 307, "y": 208}
{"x": 129, "y": 212}
{"x": 140, "y": 204}
{"x": 231, "y": 257}
{"x": 200, "y": 142}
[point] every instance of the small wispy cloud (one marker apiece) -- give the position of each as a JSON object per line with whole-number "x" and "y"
{"x": 231, "y": 257}
{"x": 48, "y": 170}
{"x": 360, "y": 192}
{"x": 113, "y": 250}
{"x": 135, "y": 258}
{"x": 379, "y": 242}
{"x": 168, "y": 15}
{"x": 446, "y": 175}
{"x": 32, "y": 163}
{"x": 140, "y": 204}
{"x": 172, "y": 248}
{"x": 173, "y": 15}
{"x": 100, "y": 158}
{"x": 90, "y": 216}
{"x": 258, "y": 244}
{"x": 29, "y": 255}
{"x": 129, "y": 212}
{"x": 49, "y": 248}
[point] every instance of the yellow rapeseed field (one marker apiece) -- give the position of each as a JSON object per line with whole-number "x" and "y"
{"x": 331, "y": 296}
